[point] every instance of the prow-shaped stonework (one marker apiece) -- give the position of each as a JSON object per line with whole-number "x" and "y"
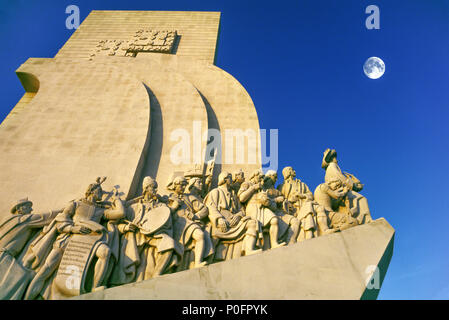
{"x": 350, "y": 264}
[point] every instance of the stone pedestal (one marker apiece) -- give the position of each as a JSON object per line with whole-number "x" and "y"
{"x": 347, "y": 265}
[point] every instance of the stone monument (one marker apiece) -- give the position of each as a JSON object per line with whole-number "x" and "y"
{"x": 168, "y": 145}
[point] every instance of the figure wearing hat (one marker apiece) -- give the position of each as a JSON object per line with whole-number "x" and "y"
{"x": 195, "y": 188}
{"x": 355, "y": 202}
{"x": 202, "y": 175}
{"x": 80, "y": 218}
{"x": 16, "y": 232}
{"x": 20, "y": 226}
{"x": 147, "y": 248}
{"x": 230, "y": 226}
{"x": 188, "y": 213}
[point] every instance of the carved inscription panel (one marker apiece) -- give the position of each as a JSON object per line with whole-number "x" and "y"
{"x": 143, "y": 41}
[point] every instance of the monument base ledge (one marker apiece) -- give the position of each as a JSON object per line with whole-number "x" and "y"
{"x": 347, "y": 265}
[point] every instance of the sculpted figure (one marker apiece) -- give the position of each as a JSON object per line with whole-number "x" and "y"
{"x": 188, "y": 211}
{"x": 16, "y": 231}
{"x": 201, "y": 179}
{"x": 237, "y": 180}
{"x": 207, "y": 185}
{"x": 195, "y": 188}
{"x": 147, "y": 247}
{"x": 312, "y": 217}
{"x": 257, "y": 205}
{"x": 293, "y": 188}
{"x": 329, "y": 195}
{"x": 230, "y": 225}
{"x": 356, "y": 203}
{"x": 79, "y": 222}
{"x": 278, "y": 205}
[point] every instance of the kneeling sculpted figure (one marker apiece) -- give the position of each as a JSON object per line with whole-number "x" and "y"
{"x": 357, "y": 204}
{"x": 230, "y": 225}
{"x": 80, "y": 240}
{"x": 329, "y": 195}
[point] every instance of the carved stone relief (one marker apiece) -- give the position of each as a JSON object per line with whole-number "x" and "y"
{"x": 101, "y": 241}
{"x": 144, "y": 40}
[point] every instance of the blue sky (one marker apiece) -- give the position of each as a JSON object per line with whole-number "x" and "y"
{"x": 301, "y": 62}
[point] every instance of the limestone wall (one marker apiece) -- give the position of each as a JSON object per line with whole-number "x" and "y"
{"x": 86, "y": 120}
{"x": 198, "y": 31}
{"x": 84, "y": 116}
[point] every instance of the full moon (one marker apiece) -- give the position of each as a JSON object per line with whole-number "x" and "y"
{"x": 374, "y": 68}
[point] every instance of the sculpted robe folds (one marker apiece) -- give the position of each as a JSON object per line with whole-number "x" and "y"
{"x": 16, "y": 231}
{"x": 285, "y": 219}
{"x": 329, "y": 200}
{"x": 140, "y": 250}
{"x": 183, "y": 228}
{"x": 222, "y": 203}
{"x": 307, "y": 212}
{"x": 258, "y": 212}
{"x": 249, "y": 196}
{"x": 76, "y": 213}
{"x": 290, "y": 189}
{"x": 356, "y": 200}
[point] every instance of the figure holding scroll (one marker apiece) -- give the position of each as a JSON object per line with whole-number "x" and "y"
{"x": 80, "y": 240}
